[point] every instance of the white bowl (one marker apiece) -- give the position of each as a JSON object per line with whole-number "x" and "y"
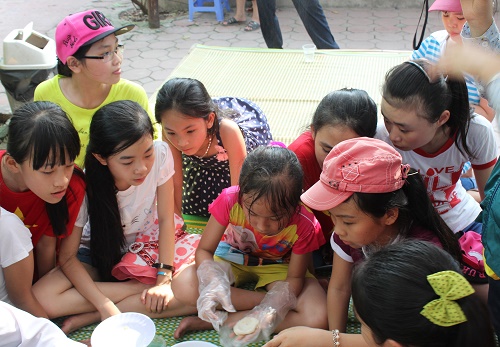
{"x": 129, "y": 329}
{"x": 193, "y": 344}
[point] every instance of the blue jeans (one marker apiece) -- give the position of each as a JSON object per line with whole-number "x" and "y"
{"x": 494, "y": 303}
{"x": 312, "y": 16}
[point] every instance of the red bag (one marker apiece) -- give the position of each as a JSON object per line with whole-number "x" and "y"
{"x": 143, "y": 253}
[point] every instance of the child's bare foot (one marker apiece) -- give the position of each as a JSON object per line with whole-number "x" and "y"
{"x": 78, "y": 321}
{"x": 191, "y": 323}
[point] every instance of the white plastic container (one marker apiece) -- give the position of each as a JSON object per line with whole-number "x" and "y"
{"x": 29, "y": 58}
{"x": 26, "y": 49}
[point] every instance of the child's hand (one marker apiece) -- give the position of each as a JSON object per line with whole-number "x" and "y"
{"x": 208, "y": 302}
{"x": 479, "y": 14}
{"x": 296, "y": 336}
{"x": 477, "y": 61}
{"x": 156, "y": 298}
{"x": 214, "y": 288}
{"x": 108, "y": 309}
{"x": 477, "y": 9}
{"x": 266, "y": 320}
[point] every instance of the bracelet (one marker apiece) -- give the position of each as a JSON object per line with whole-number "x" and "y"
{"x": 163, "y": 273}
{"x": 336, "y": 337}
{"x": 164, "y": 266}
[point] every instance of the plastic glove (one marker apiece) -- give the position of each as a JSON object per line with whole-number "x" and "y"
{"x": 214, "y": 288}
{"x": 270, "y": 312}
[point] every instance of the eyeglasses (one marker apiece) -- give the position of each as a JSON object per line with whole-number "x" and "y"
{"x": 108, "y": 56}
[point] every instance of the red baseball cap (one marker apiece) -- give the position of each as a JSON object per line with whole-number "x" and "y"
{"x": 361, "y": 164}
{"x": 81, "y": 29}
{"x": 446, "y": 5}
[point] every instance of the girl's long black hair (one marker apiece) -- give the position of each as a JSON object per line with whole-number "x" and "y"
{"x": 42, "y": 133}
{"x": 114, "y": 128}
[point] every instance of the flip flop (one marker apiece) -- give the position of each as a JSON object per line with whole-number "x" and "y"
{"x": 231, "y": 21}
{"x": 252, "y": 25}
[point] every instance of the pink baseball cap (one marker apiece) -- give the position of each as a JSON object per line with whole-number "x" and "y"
{"x": 81, "y": 29}
{"x": 446, "y": 5}
{"x": 361, "y": 164}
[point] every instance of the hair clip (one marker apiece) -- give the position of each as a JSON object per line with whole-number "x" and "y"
{"x": 449, "y": 286}
{"x": 420, "y": 67}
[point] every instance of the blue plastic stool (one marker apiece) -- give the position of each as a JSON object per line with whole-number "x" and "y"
{"x": 218, "y": 7}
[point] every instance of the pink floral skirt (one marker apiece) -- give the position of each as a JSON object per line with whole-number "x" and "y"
{"x": 143, "y": 253}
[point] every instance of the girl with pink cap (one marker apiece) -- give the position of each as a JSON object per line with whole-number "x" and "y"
{"x": 433, "y": 47}
{"x": 374, "y": 200}
{"x": 89, "y": 66}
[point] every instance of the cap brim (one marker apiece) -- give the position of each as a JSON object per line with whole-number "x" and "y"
{"x": 441, "y": 7}
{"x": 116, "y": 31}
{"x": 321, "y": 197}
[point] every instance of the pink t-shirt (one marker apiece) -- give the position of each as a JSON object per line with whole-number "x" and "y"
{"x": 302, "y": 235}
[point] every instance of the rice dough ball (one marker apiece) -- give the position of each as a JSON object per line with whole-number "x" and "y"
{"x": 246, "y": 326}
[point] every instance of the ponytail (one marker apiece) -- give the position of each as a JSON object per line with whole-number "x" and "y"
{"x": 460, "y": 114}
{"x": 423, "y": 213}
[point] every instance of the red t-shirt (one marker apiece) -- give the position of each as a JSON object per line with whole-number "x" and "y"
{"x": 31, "y": 209}
{"x": 303, "y": 147}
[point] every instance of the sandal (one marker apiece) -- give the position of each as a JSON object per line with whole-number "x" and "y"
{"x": 252, "y": 25}
{"x": 231, "y": 21}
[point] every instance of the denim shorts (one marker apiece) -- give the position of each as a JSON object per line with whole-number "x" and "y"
{"x": 84, "y": 255}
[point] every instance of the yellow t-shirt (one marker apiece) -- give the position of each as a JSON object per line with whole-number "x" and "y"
{"x": 50, "y": 90}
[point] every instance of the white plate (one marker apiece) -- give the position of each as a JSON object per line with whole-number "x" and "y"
{"x": 129, "y": 329}
{"x": 193, "y": 344}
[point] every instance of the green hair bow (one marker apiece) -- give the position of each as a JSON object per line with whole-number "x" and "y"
{"x": 450, "y": 286}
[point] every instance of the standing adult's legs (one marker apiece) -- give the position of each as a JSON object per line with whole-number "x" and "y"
{"x": 269, "y": 23}
{"x": 314, "y": 19}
